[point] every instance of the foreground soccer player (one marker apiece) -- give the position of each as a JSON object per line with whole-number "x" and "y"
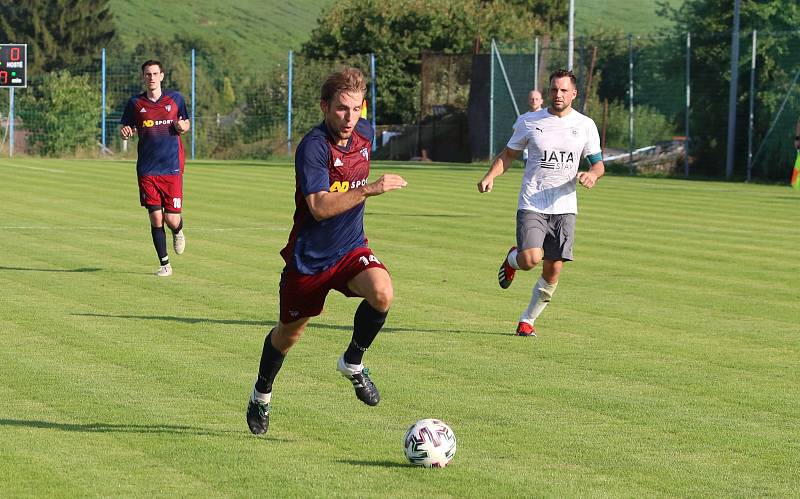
{"x": 160, "y": 118}
{"x": 327, "y": 248}
{"x": 556, "y": 139}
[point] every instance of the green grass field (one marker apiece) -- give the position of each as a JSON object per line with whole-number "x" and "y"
{"x": 667, "y": 363}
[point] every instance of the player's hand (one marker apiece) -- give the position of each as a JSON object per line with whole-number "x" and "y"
{"x": 387, "y": 182}
{"x": 485, "y": 185}
{"x": 181, "y": 126}
{"x": 587, "y": 179}
{"x": 126, "y": 132}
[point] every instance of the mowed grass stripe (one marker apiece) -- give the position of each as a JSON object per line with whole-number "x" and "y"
{"x": 664, "y": 364}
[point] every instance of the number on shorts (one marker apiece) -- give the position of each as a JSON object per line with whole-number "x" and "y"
{"x": 176, "y": 203}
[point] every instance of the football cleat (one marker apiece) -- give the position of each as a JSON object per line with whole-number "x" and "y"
{"x": 506, "y": 273}
{"x": 258, "y": 416}
{"x": 525, "y": 329}
{"x": 365, "y": 389}
{"x": 164, "y": 271}
{"x": 179, "y": 242}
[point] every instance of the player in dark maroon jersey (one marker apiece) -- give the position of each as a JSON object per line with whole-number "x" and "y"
{"x": 327, "y": 248}
{"x": 160, "y": 118}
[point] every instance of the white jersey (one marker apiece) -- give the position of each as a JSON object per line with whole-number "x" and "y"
{"x": 555, "y": 148}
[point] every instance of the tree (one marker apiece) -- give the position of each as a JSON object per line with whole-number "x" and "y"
{"x": 397, "y": 32}
{"x": 60, "y": 34}
{"x": 61, "y": 114}
{"x": 710, "y": 23}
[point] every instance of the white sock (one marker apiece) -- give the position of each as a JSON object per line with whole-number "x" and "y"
{"x": 512, "y": 259}
{"x": 261, "y": 397}
{"x": 542, "y": 293}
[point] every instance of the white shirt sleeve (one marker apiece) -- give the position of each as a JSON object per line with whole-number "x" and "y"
{"x": 519, "y": 140}
{"x": 592, "y": 139}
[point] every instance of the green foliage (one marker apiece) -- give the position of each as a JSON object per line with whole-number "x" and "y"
{"x": 650, "y": 126}
{"x": 61, "y": 34}
{"x": 398, "y": 33}
{"x": 61, "y": 113}
{"x": 710, "y": 22}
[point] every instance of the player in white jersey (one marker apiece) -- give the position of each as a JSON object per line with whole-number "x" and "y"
{"x": 556, "y": 138}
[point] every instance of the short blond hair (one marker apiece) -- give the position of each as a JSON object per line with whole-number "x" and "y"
{"x": 346, "y": 80}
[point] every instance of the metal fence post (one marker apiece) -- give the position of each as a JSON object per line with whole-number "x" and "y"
{"x": 10, "y": 122}
{"x": 732, "y": 92}
{"x": 289, "y": 108}
{"x": 750, "y": 121}
{"x": 374, "y": 124}
{"x": 491, "y": 100}
{"x": 194, "y": 122}
{"x": 103, "y": 100}
{"x": 536, "y": 63}
{"x": 688, "y": 104}
{"x": 630, "y": 102}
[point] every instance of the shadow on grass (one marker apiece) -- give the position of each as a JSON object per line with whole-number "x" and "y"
{"x": 270, "y": 322}
{"x": 117, "y": 428}
{"x": 81, "y": 269}
{"x": 379, "y": 464}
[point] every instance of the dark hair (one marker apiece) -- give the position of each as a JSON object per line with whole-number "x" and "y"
{"x": 152, "y": 62}
{"x": 564, "y": 73}
{"x": 346, "y": 80}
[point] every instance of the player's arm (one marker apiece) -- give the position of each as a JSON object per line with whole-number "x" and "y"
{"x": 127, "y": 131}
{"x": 182, "y": 125}
{"x": 597, "y": 170}
{"x": 500, "y": 165}
{"x": 323, "y": 204}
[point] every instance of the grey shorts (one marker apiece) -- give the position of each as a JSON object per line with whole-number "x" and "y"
{"x": 553, "y": 233}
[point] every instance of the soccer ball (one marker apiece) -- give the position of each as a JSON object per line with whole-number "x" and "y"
{"x": 430, "y": 443}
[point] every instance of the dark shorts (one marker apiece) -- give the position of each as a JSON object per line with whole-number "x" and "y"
{"x": 303, "y": 295}
{"x": 553, "y": 233}
{"x": 162, "y": 190}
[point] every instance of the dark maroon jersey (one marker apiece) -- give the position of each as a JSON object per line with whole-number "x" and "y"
{"x": 321, "y": 165}
{"x": 160, "y": 147}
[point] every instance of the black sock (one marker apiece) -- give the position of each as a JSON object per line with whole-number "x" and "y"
{"x": 366, "y": 325}
{"x": 160, "y": 243}
{"x": 271, "y": 362}
{"x": 177, "y": 229}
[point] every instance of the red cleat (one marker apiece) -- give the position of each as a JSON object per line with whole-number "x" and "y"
{"x": 525, "y": 329}
{"x": 506, "y": 273}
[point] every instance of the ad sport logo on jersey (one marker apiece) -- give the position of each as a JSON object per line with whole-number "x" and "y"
{"x": 557, "y": 160}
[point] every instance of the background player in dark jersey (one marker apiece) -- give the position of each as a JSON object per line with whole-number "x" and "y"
{"x": 327, "y": 248}
{"x": 160, "y": 118}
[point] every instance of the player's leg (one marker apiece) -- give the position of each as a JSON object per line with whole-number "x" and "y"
{"x": 557, "y": 249}
{"x": 375, "y": 286}
{"x": 361, "y": 274}
{"x": 531, "y": 229}
{"x": 276, "y": 345}
{"x": 150, "y": 198}
{"x": 301, "y": 297}
{"x": 542, "y": 293}
{"x": 172, "y": 191}
{"x": 159, "y": 239}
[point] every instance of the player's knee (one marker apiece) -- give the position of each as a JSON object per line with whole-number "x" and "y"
{"x": 382, "y": 298}
{"x": 529, "y": 259}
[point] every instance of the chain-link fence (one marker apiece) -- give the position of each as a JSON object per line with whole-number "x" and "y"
{"x": 660, "y": 103}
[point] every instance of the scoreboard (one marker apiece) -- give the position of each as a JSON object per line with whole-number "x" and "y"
{"x": 13, "y": 65}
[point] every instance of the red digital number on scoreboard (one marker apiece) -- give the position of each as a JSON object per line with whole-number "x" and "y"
{"x": 15, "y": 53}
{"x": 3, "y": 77}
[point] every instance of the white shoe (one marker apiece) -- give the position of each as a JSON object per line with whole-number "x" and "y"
{"x": 179, "y": 242}
{"x": 164, "y": 271}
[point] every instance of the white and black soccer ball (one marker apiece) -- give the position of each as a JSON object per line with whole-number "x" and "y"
{"x": 430, "y": 443}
